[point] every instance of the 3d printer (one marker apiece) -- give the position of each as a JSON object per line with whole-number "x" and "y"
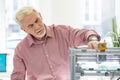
{"x": 89, "y": 62}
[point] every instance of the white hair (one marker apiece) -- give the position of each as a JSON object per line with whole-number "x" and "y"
{"x": 23, "y": 12}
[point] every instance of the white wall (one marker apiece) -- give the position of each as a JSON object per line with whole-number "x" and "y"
{"x": 2, "y": 26}
{"x": 107, "y": 8}
{"x": 117, "y": 7}
{"x": 108, "y": 13}
{"x": 67, "y": 12}
{"x": 45, "y": 8}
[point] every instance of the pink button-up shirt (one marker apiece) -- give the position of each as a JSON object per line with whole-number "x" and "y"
{"x": 48, "y": 59}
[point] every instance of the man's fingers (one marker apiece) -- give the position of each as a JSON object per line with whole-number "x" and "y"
{"x": 93, "y": 45}
{"x": 90, "y": 45}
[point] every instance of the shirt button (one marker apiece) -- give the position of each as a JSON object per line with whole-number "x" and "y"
{"x": 55, "y": 77}
{"x": 51, "y": 67}
{"x": 47, "y": 55}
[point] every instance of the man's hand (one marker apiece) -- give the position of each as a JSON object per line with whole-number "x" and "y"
{"x": 93, "y": 45}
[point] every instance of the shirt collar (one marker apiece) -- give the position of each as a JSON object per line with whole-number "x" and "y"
{"x": 31, "y": 40}
{"x": 49, "y": 32}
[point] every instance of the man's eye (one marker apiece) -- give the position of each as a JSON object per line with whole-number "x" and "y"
{"x": 36, "y": 21}
{"x": 31, "y": 25}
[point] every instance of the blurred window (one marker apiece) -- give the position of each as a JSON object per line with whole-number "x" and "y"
{"x": 13, "y": 31}
{"x": 98, "y": 14}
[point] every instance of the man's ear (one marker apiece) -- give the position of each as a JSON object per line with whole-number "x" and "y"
{"x": 40, "y": 16}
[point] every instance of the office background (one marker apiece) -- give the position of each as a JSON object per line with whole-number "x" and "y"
{"x": 92, "y": 14}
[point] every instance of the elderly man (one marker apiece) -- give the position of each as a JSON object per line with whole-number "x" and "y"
{"x": 44, "y": 53}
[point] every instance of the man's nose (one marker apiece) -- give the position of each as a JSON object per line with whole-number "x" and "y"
{"x": 36, "y": 25}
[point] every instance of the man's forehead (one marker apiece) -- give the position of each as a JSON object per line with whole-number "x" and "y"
{"x": 29, "y": 19}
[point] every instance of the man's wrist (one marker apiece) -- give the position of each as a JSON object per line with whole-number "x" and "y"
{"x": 93, "y": 38}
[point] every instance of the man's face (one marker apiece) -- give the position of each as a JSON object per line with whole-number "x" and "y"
{"x": 33, "y": 25}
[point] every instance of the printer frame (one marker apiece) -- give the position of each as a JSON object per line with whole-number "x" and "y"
{"x": 90, "y": 55}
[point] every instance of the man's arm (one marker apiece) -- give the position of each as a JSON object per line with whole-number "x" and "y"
{"x": 84, "y": 36}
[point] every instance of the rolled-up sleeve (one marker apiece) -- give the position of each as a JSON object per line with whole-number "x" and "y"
{"x": 80, "y": 36}
{"x": 75, "y": 36}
